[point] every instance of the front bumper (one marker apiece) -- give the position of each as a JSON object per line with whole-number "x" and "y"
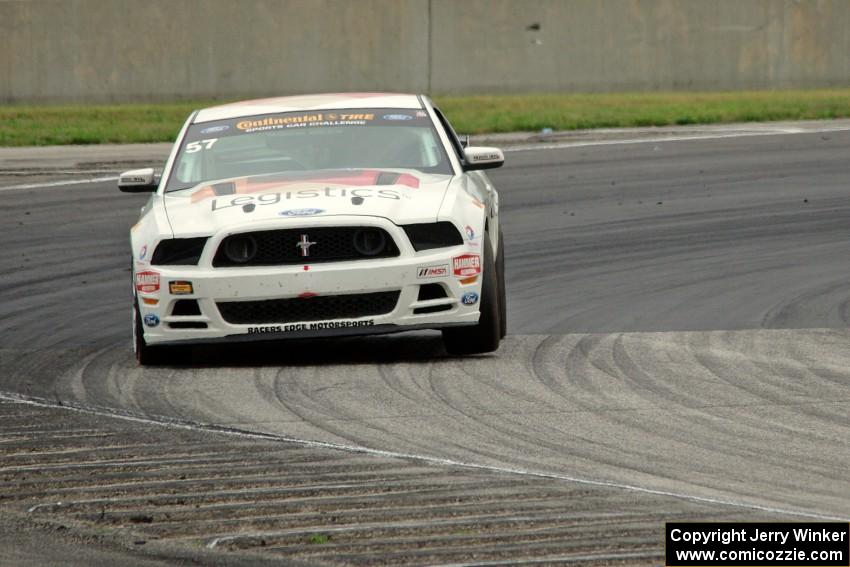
{"x": 404, "y": 274}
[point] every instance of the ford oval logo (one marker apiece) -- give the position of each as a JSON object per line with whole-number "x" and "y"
{"x": 397, "y": 117}
{"x": 301, "y": 212}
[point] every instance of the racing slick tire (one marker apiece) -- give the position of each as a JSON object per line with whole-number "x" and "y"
{"x": 147, "y": 355}
{"x": 485, "y": 335}
{"x": 500, "y": 272}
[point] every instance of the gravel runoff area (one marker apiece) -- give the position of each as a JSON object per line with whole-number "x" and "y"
{"x": 85, "y": 488}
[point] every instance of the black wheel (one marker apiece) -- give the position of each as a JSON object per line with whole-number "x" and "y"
{"x": 503, "y": 300}
{"x": 483, "y": 337}
{"x": 147, "y": 355}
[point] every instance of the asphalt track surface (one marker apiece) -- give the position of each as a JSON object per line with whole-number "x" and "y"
{"x": 678, "y": 318}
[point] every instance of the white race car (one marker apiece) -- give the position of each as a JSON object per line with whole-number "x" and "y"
{"x": 318, "y": 216}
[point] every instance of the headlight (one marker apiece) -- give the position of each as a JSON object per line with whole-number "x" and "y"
{"x": 431, "y": 235}
{"x": 179, "y": 251}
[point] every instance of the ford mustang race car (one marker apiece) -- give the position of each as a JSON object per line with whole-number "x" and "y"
{"x": 317, "y": 216}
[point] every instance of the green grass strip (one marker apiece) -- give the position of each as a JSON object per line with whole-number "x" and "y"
{"x": 22, "y": 125}
{"x": 484, "y": 114}
{"x": 92, "y": 124}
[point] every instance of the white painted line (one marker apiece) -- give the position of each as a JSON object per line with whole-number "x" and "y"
{"x": 49, "y": 184}
{"x": 714, "y": 133}
{"x": 33, "y": 172}
{"x": 732, "y": 133}
{"x": 247, "y": 434}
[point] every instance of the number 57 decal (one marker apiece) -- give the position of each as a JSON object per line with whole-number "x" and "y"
{"x": 193, "y": 147}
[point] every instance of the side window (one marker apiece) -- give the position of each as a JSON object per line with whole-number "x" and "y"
{"x": 453, "y": 138}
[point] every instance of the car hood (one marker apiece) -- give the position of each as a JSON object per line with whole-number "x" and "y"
{"x": 402, "y": 196}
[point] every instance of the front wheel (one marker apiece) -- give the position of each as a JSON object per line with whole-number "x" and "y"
{"x": 484, "y": 336}
{"x": 147, "y": 355}
{"x": 503, "y": 300}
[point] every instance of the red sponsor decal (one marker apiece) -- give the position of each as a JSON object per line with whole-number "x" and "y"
{"x": 308, "y": 295}
{"x": 467, "y": 265}
{"x": 147, "y": 281}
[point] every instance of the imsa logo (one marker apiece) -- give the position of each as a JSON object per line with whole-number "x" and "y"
{"x": 467, "y": 265}
{"x": 432, "y": 271}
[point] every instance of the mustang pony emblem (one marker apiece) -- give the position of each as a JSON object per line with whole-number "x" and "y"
{"x": 304, "y": 244}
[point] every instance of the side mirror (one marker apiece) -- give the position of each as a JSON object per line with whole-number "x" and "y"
{"x": 464, "y": 140}
{"x": 483, "y": 158}
{"x": 138, "y": 181}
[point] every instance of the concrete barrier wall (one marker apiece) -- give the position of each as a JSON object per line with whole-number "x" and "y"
{"x": 165, "y": 49}
{"x": 117, "y": 50}
{"x": 616, "y": 45}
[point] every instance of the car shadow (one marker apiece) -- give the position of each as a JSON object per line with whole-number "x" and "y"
{"x": 376, "y": 349}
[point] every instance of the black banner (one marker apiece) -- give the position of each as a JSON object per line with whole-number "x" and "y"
{"x": 762, "y": 544}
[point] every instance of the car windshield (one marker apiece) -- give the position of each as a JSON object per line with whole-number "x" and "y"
{"x": 385, "y": 138}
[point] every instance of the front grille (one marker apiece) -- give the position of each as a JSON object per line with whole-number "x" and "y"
{"x": 322, "y": 244}
{"x": 186, "y": 308}
{"x": 431, "y": 291}
{"x": 187, "y": 325}
{"x": 316, "y": 308}
{"x": 431, "y": 309}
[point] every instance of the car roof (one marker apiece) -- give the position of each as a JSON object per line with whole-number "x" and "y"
{"x": 328, "y": 101}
